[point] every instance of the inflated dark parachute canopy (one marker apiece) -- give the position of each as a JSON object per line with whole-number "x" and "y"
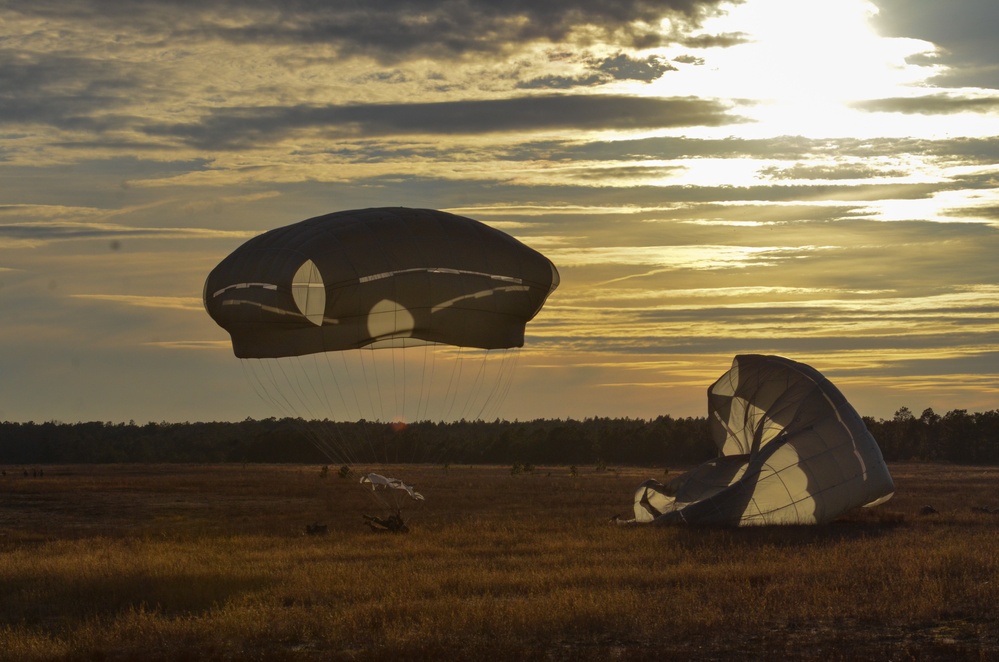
{"x": 378, "y": 278}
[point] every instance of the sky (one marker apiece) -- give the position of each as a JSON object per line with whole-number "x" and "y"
{"x": 816, "y": 179}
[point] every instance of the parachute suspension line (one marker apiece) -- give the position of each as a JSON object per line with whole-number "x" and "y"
{"x": 382, "y": 500}
{"x": 475, "y": 388}
{"x": 397, "y": 411}
{"x": 380, "y": 413}
{"x": 427, "y": 381}
{"x": 254, "y": 382}
{"x": 334, "y": 416}
{"x": 307, "y": 398}
{"x": 282, "y": 404}
{"x": 352, "y": 391}
{"x": 492, "y": 390}
{"x": 258, "y": 387}
{"x": 402, "y": 415}
{"x": 398, "y": 390}
{"x": 295, "y": 382}
{"x": 299, "y": 378}
{"x": 453, "y": 384}
{"x": 503, "y": 383}
{"x": 325, "y": 398}
{"x": 483, "y": 392}
{"x": 317, "y": 399}
{"x": 307, "y": 414}
{"x": 339, "y": 392}
{"x": 327, "y": 427}
{"x": 365, "y": 386}
{"x": 440, "y": 413}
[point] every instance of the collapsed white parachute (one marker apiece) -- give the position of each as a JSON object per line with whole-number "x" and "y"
{"x": 381, "y": 483}
{"x": 792, "y": 450}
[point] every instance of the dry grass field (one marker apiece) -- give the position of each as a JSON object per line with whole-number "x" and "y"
{"x": 184, "y": 562}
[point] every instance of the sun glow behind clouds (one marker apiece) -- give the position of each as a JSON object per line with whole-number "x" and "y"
{"x": 801, "y": 65}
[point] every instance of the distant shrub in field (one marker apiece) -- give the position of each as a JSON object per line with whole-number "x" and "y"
{"x": 345, "y": 471}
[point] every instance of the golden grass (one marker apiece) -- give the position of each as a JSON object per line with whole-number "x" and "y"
{"x": 210, "y": 562}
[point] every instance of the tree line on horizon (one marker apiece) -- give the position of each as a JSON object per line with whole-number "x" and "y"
{"x": 957, "y": 436}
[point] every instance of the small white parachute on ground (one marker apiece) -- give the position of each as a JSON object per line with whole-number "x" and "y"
{"x": 392, "y": 493}
{"x": 792, "y": 450}
{"x": 382, "y": 484}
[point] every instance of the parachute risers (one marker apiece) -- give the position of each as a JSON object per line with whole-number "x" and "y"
{"x": 792, "y": 450}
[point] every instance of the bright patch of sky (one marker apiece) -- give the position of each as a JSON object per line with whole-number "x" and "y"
{"x": 799, "y": 67}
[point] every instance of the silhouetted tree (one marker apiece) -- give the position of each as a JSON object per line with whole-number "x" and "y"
{"x": 958, "y": 436}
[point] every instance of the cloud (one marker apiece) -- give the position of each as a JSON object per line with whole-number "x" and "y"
{"x": 242, "y": 128}
{"x": 788, "y": 320}
{"x": 143, "y": 301}
{"x": 39, "y": 232}
{"x": 109, "y": 80}
{"x": 389, "y": 30}
{"x": 61, "y": 90}
{"x": 931, "y": 104}
{"x": 723, "y": 40}
{"x": 386, "y": 30}
{"x": 554, "y": 82}
{"x": 964, "y": 31}
{"x": 989, "y": 212}
{"x": 599, "y": 71}
{"x": 675, "y": 258}
{"x": 624, "y": 67}
{"x": 800, "y": 171}
{"x": 214, "y": 345}
{"x": 778, "y": 147}
{"x": 689, "y": 59}
{"x": 613, "y": 193}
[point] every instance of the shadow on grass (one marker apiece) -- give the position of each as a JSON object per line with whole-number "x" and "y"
{"x": 59, "y": 604}
{"x": 861, "y": 526}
